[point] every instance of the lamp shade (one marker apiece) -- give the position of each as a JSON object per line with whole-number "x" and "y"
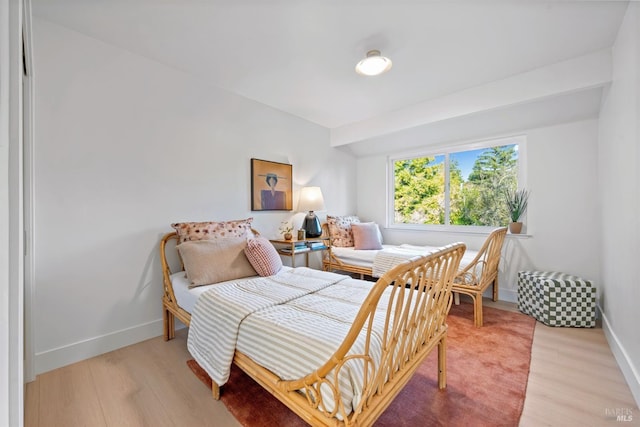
{"x": 311, "y": 199}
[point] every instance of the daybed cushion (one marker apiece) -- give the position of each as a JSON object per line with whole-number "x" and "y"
{"x": 366, "y": 236}
{"x": 340, "y": 230}
{"x": 263, "y": 256}
{"x": 190, "y": 231}
{"x": 216, "y": 260}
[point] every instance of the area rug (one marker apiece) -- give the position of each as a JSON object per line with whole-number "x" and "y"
{"x": 487, "y": 371}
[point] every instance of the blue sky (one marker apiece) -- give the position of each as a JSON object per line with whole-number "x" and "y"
{"x": 466, "y": 159}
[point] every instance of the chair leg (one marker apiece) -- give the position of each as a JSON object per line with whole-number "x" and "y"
{"x": 477, "y": 311}
{"x": 456, "y": 298}
{"x": 495, "y": 289}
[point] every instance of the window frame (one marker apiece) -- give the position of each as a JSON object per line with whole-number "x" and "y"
{"x": 446, "y": 151}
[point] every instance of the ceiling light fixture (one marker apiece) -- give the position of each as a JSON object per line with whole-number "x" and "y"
{"x": 374, "y": 64}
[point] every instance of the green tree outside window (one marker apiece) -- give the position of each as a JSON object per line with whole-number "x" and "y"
{"x": 421, "y": 197}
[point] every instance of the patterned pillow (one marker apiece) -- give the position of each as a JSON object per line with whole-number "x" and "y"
{"x": 366, "y": 236}
{"x": 215, "y": 260}
{"x": 193, "y": 231}
{"x": 340, "y": 230}
{"x": 263, "y": 256}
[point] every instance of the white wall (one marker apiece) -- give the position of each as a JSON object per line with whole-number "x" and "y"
{"x": 124, "y": 147}
{"x": 562, "y": 219}
{"x": 619, "y": 160}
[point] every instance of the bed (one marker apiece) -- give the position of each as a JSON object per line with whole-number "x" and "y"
{"x": 478, "y": 269}
{"x": 351, "y": 366}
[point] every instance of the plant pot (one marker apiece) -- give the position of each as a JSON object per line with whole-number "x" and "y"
{"x": 515, "y": 227}
{"x": 288, "y": 236}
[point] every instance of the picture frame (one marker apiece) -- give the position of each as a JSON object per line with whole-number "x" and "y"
{"x": 271, "y": 186}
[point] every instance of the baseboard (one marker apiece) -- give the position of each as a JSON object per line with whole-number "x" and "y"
{"x": 508, "y": 295}
{"x": 81, "y": 350}
{"x": 629, "y": 371}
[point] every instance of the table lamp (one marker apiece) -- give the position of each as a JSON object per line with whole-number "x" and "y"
{"x": 311, "y": 200}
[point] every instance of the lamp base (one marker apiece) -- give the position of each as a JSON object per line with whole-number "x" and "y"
{"x": 311, "y": 225}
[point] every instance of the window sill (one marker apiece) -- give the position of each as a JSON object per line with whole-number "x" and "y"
{"x": 449, "y": 230}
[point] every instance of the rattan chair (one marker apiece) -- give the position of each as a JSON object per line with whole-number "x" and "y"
{"x": 481, "y": 273}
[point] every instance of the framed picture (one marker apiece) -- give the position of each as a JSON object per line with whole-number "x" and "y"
{"x": 271, "y": 186}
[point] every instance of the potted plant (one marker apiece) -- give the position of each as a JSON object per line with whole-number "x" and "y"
{"x": 517, "y": 202}
{"x": 285, "y": 230}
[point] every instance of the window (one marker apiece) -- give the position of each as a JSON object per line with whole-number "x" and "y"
{"x": 457, "y": 186}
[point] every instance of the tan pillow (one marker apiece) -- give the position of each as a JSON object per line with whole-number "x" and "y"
{"x": 190, "y": 231}
{"x": 213, "y": 261}
{"x": 340, "y": 230}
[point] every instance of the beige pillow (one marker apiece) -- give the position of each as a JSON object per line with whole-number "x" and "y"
{"x": 213, "y": 261}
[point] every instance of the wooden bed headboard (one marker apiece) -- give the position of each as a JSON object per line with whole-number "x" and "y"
{"x": 172, "y": 263}
{"x": 169, "y": 257}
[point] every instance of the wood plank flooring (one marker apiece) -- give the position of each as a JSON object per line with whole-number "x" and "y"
{"x": 574, "y": 381}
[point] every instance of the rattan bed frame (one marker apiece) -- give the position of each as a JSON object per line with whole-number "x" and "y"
{"x": 479, "y": 274}
{"x": 416, "y": 327}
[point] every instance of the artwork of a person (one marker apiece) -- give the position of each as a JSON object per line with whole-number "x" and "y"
{"x": 272, "y": 198}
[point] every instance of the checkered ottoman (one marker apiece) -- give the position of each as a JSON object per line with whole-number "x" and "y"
{"x": 557, "y": 299}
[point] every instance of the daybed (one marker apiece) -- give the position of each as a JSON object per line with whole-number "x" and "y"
{"x": 478, "y": 269}
{"x": 344, "y": 364}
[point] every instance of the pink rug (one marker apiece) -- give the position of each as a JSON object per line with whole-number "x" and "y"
{"x": 487, "y": 371}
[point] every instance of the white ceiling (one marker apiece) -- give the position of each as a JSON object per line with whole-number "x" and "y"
{"x": 299, "y": 55}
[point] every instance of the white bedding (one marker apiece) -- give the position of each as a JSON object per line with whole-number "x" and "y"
{"x": 187, "y": 297}
{"x": 380, "y": 261}
{"x": 249, "y": 315}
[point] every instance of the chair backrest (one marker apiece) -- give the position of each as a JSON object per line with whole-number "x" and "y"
{"x": 494, "y": 249}
{"x": 483, "y": 270}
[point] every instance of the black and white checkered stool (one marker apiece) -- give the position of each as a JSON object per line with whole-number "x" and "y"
{"x": 557, "y": 299}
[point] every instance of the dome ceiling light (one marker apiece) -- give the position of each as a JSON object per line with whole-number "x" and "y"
{"x": 374, "y": 64}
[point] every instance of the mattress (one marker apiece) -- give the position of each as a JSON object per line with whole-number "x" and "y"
{"x": 383, "y": 260}
{"x": 362, "y": 258}
{"x": 187, "y": 297}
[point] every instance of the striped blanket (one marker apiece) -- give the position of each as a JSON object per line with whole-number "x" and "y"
{"x": 290, "y": 323}
{"x": 391, "y": 256}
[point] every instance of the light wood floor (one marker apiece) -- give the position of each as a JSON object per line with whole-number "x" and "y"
{"x": 574, "y": 381}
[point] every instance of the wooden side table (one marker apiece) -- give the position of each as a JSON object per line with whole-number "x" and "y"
{"x": 293, "y": 247}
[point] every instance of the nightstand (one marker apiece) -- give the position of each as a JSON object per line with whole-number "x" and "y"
{"x": 294, "y": 247}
